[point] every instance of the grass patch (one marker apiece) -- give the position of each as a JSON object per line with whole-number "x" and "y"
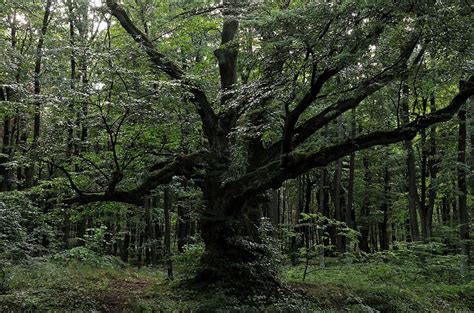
{"x": 46, "y": 285}
{"x": 384, "y": 287}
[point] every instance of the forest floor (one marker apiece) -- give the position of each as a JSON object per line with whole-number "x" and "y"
{"x": 48, "y": 284}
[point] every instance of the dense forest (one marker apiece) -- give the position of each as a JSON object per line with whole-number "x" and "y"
{"x": 236, "y": 155}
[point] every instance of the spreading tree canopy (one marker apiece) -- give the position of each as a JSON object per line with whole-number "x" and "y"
{"x": 261, "y": 82}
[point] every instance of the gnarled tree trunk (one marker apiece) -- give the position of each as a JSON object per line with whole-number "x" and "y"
{"x": 235, "y": 253}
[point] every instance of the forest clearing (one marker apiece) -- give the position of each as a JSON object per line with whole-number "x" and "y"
{"x": 236, "y": 155}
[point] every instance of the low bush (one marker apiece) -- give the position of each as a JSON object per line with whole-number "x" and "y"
{"x": 187, "y": 262}
{"x": 85, "y": 256}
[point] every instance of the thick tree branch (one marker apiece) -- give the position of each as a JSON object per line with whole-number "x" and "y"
{"x": 163, "y": 173}
{"x": 68, "y": 176}
{"x": 316, "y": 122}
{"x": 317, "y": 83}
{"x": 158, "y": 59}
{"x": 273, "y": 175}
{"x": 204, "y": 108}
{"x": 302, "y": 163}
{"x": 313, "y": 124}
{"x": 305, "y": 102}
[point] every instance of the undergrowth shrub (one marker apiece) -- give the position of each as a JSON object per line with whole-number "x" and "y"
{"x": 187, "y": 262}
{"x": 25, "y": 229}
{"x": 95, "y": 238}
{"x": 432, "y": 261}
{"x": 86, "y": 256}
{"x": 15, "y": 243}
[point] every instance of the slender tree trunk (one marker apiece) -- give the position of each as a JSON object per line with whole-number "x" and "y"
{"x": 423, "y": 189}
{"x": 150, "y": 231}
{"x": 462, "y": 189}
{"x": 81, "y": 230}
{"x": 83, "y": 76}
{"x": 180, "y": 228}
{"x": 70, "y": 132}
{"x": 338, "y": 240}
{"x": 454, "y": 214}
{"x": 373, "y": 237}
{"x": 4, "y": 172}
{"x": 66, "y": 228}
{"x": 470, "y": 104}
{"x": 411, "y": 170}
{"x": 364, "y": 219}
{"x": 273, "y": 212}
{"x": 307, "y": 207}
{"x": 10, "y": 140}
{"x": 298, "y": 228}
{"x": 433, "y": 171}
{"x": 140, "y": 250}
{"x": 183, "y": 227}
{"x": 37, "y": 89}
{"x": 125, "y": 246}
{"x": 324, "y": 206}
{"x": 337, "y": 203}
{"x": 350, "y": 214}
{"x": 167, "y": 209}
{"x": 383, "y": 226}
{"x": 8, "y": 131}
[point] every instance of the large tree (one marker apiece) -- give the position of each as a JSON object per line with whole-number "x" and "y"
{"x": 286, "y": 72}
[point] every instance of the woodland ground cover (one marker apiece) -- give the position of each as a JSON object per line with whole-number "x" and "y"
{"x": 81, "y": 280}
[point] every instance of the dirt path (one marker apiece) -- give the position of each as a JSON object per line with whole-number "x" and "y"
{"x": 121, "y": 292}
